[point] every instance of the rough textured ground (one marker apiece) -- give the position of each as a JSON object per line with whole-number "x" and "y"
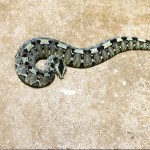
{"x": 107, "y": 106}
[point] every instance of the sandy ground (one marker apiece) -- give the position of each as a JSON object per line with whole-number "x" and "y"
{"x": 107, "y": 106}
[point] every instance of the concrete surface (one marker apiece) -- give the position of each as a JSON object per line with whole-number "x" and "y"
{"x": 107, "y": 106}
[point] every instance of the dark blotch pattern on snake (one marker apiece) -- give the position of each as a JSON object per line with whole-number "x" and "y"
{"x": 58, "y": 55}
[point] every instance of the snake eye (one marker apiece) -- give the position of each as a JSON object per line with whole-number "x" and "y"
{"x": 26, "y": 63}
{"x": 55, "y": 59}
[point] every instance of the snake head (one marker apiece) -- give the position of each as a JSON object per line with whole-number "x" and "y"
{"x": 59, "y": 67}
{"x": 56, "y": 64}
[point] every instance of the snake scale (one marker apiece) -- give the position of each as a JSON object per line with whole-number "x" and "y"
{"x": 58, "y": 55}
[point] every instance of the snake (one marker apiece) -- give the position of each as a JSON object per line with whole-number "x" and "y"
{"x": 59, "y": 55}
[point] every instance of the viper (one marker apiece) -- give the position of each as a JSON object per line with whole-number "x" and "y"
{"x": 59, "y": 55}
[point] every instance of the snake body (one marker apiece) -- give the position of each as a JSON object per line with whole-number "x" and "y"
{"x": 58, "y": 55}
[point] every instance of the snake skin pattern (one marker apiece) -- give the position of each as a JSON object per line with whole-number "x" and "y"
{"x": 58, "y": 55}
